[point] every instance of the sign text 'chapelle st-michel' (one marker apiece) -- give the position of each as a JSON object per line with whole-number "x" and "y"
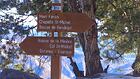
{"x": 63, "y": 22}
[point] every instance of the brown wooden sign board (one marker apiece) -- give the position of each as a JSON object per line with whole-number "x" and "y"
{"x": 48, "y": 46}
{"x": 63, "y": 22}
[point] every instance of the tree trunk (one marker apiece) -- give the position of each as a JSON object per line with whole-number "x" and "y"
{"x": 88, "y": 39}
{"x": 90, "y": 46}
{"x": 91, "y": 52}
{"x": 136, "y": 64}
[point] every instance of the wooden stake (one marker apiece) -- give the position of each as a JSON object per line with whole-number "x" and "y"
{"x": 55, "y": 67}
{"x": 56, "y": 59}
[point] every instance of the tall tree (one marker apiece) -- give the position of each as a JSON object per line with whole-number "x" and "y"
{"x": 120, "y": 22}
{"x": 88, "y": 39}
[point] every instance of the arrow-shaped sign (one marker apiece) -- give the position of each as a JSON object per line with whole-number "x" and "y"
{"x": 48, "y": 46}
{"x": 64, "y": 22}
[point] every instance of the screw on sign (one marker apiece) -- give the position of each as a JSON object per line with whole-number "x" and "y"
{"x": 63, "y": 22}
{"x": 48, "y": 46}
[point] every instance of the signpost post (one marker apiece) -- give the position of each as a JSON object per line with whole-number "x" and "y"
{"x": 56, "y": 21}
{"x": 56, "y": 59}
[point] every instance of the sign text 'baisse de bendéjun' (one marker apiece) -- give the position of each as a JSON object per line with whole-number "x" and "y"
{"x": 63, "y": 22}
{"x": 48, "y": 46}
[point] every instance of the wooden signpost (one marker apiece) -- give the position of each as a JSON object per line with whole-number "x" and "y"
{"x": 61, "y": 46}
{"x": 56, "y": 46}
{"x": 63, "y": 22}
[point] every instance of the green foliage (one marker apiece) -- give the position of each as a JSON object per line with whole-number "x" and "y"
{"x": 18, "y": 66}
{"x": 137, "y": 67}
{"x": 66, "y": 7}
{"x": 6, "y": 4}
{"x": 34, "y": 7}
{"x": 112, "y": 55}
{"x": 121, "y": 22}
{"x": 11, "y": 29}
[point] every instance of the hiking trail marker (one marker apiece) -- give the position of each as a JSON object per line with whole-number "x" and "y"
{"x": 63, "y": 22}
{"x": 62, "y": 46}
{"x": 56, "y": 21}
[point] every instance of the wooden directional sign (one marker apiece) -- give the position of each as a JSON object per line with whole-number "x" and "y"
{"x": 63, "y": 22}
{"x": 48, "y": 46}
